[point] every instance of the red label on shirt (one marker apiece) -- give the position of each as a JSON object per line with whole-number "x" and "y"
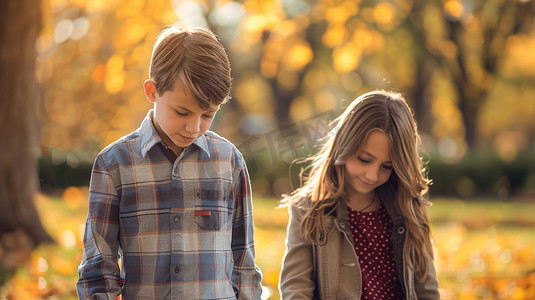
{"x": 203, "y": 212}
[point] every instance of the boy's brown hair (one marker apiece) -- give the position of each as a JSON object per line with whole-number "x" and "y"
{"x": 192, "y": 57}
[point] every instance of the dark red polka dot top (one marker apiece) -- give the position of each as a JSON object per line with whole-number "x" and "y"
{"x": 371, "y": 234}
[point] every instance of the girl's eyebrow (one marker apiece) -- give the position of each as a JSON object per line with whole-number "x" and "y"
{"x": 373, "y": 156}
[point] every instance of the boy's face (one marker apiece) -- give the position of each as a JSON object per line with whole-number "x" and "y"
{"x": 177, "y": 117}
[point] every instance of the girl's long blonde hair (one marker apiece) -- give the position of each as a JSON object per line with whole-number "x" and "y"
{"x": 407, "y": 186}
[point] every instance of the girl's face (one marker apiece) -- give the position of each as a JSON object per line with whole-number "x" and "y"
{"x": 370, "y": 168}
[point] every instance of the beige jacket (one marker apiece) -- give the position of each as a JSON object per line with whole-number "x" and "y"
{"x": 334, "y": 265}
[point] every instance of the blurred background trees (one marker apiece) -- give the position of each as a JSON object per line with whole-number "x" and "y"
{"x": 466, "y": 67}
{"x": 20, "y": 227}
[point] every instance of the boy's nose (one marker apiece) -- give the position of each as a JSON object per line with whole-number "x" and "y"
{"x": 193, "y": 125}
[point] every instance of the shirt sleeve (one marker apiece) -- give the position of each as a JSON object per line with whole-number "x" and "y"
{"x": 99, "y": 270}
{"x": 246, "y": 276}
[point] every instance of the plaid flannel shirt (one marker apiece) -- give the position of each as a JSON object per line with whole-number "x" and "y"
{"x": 181, "y": 229}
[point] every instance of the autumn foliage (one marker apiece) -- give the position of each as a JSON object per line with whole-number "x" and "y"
{"x": 483, "y": 250}
{"x": 466, "y": 67}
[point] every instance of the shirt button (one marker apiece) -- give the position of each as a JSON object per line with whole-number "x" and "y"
{"x": 177, "y": 270}
{"x": 401, "y": 230}
{"x": 175, "y": 219}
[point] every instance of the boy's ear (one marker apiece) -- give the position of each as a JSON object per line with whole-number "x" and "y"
{"x": 149, "y": 86}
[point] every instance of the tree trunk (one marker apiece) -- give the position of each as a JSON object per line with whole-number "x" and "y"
{"x": 20, "y": 227}
{"x": 469, "y": 103}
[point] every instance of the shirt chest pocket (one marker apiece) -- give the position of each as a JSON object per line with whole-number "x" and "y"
{"x": 214, "y": 208}
{"x": 213, "y": 219}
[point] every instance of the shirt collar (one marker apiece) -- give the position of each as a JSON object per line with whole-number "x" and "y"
{"x": 150, "y": 137}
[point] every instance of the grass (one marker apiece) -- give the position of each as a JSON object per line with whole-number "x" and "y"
{"x": 483, "y": 249}
{"x": 482, "y": 213}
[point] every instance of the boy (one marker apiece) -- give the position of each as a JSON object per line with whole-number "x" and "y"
{"x": 172, "y": 200}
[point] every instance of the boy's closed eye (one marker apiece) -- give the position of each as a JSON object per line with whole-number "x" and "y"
{"x": 181, "y": 113}
{"x": 184, "y": 112}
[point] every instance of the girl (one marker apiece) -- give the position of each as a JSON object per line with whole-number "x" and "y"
{"x": 358, "y": 226}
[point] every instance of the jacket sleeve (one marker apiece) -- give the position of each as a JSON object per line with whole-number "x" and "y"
{"x": 99, "y": 271}
{"x": 246, "y": 276}
{"x": 296, "y": 277}
{"x": 428, "y": 288}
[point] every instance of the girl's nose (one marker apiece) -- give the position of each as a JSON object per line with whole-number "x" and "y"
{"x": 372, "y": 174}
